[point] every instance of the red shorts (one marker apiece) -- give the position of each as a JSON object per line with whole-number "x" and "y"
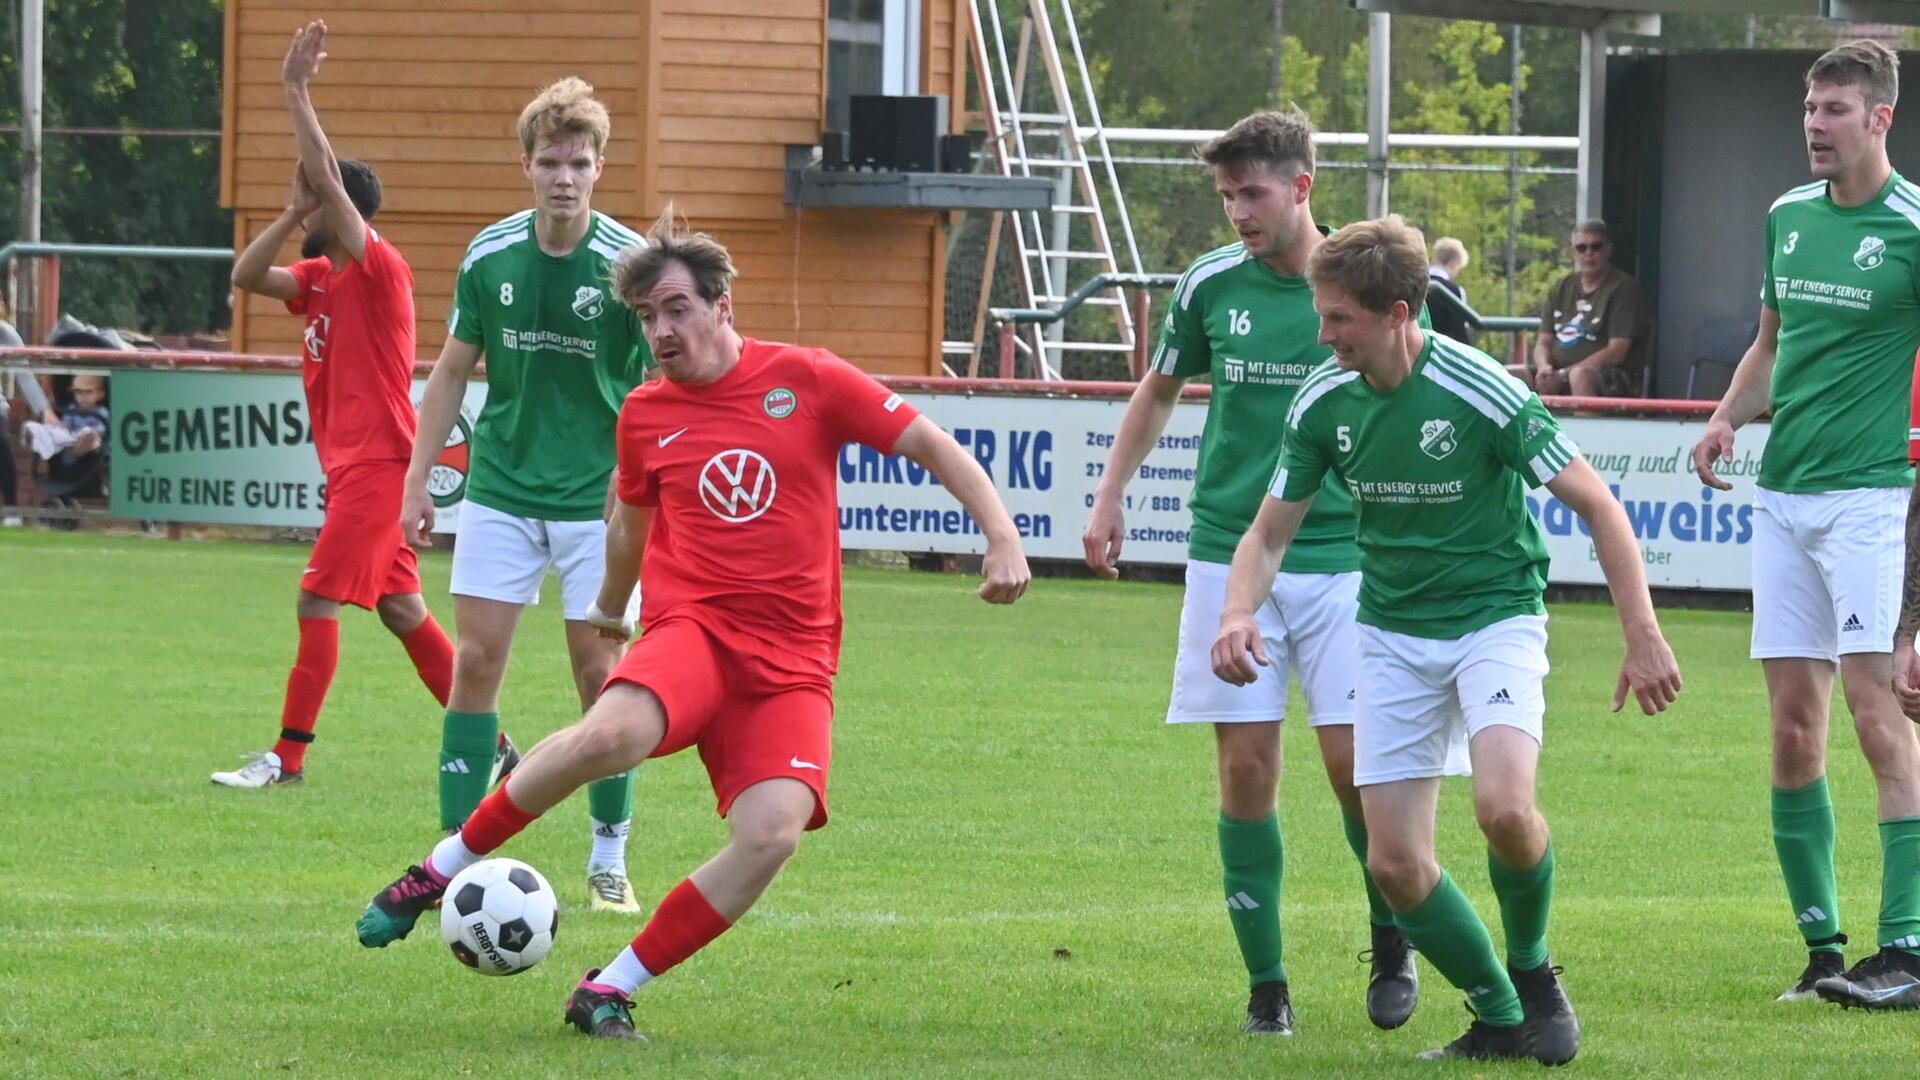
{"x": 362, "y": 555}
{"x": 751, "y": 721}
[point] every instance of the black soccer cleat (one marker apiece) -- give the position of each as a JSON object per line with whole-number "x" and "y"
{"x": 1553, "y": 1032}
{"x": 391, "y": 914}
{"x": 603, "y": 1016}
{"x": 1889, "y": 979}
{"x": 1483, "y": 1042}
{"x": 1393, "y": 988}
{"x": 1269, "y": 1011}
{"x": 1821, "y": 964}
{"x": 506, "y": 758}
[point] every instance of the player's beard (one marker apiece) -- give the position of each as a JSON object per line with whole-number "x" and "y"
{"x": 313, "y": 246}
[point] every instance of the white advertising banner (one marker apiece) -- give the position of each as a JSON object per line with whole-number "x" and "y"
{"x": 1046, "y": 456}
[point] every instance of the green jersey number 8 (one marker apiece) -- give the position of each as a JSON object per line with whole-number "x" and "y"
{"x": 506, "y": 294}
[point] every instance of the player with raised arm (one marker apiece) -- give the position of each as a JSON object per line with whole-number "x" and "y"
{"x": 728, "y": 518}
{"x": 356, "y": 293}
{"x": 1434, "y": 440}
{"x": 531, "y": 296}
{"x": 1244, "y": 315}
{"x": 1839, "y": 325}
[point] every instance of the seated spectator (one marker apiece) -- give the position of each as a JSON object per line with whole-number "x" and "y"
{"x": 1449, "y": 258}
{"x": 77, "y": 465}
{"x": 1593, "y": 327}
{"x": 37, "y": 406}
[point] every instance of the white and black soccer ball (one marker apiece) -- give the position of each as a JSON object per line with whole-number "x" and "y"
{"x": 499, "y": 916}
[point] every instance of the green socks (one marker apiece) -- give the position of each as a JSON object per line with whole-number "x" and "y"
{"x": 1803, "y": 836}
{"x": 1449, "y": 933}
{"x": 467, "y": 742}
{"x": 1900, "y": 884}
{"x": 1525, "y": 897}
{"x": 1252, "y": 855}
{"x": 1378, "y": 912}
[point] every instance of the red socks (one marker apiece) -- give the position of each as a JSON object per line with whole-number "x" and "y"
{"x": 432, "y": 655}
{"x": 495, "y": 822}
{"x": 682, "y": 925}
{"x": 307, "y": 685}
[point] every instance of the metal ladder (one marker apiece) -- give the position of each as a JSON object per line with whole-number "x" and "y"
{"x": 1070, "y": 244}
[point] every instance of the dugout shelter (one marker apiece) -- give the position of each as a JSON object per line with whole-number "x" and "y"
{"x": 706, "y": 96}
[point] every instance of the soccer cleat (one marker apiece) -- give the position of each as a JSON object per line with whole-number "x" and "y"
{"x": 1821, "y": 964}
{"x": 1553, "y": 1032}
{"x": 1483, "y": 1042}
{"x": 1269, "y": 1012}
{"x": 261, "y": 770}
{"x": 1889, "y": 979}
{"x": 611, "y": 891}
{"x": 601, "y": 1015}
{"x": 1393, "y": 988}
{"x": 506, "y": 758}
{"x": 391, "y": 914}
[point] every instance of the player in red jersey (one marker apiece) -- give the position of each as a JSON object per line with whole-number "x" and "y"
{"x": 727, "y": 484}
{"x": 356, "y": 293}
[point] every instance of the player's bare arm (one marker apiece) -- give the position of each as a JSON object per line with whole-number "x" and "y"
{"x": 253, "y": 270}
{"x": 316, "y": 155}
{"x": 1906, "y": 664}
{"x": 1005, "y": 565}
{"x": 626, "y": 540}
{"x": 1147, "y": 414}
{"x": 1649, "y": 670}
{"x": 439, "y": 409}
{"x": 1748, "y": 395}
{"x": 1255, "y": 561}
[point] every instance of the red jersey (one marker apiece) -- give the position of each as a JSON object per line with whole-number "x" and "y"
{"x": 746, "y": 539}
{"x": 358, "y": 361}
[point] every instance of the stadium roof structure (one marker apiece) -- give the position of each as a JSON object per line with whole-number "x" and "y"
{"x": 1642, "y": 16}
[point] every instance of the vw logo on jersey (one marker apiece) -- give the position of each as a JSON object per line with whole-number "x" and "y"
{"x": 587, "y": 302}
{"x": 737, "y": 485}
{"x": 1436, "y": 439}
{"x": 1873, "y": 252}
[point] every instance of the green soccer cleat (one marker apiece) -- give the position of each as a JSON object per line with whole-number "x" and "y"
{"x": 391, "y": 914}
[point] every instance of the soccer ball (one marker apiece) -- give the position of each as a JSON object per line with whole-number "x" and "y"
{"x": 499, "y": 917}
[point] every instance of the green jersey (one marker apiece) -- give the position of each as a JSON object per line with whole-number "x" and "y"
{"x": 562, "y": 356}
{"x": 1256, "y": 332}
{"x": 1435, "y": 466}
{"x": 1846, "y": 282}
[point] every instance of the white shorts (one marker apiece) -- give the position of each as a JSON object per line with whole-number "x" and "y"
{"x": 1421, "y": 699}
{"x": 1307, "y": 621}
{"x": 1827, "y": 570}
{"x": 501, "y": 556}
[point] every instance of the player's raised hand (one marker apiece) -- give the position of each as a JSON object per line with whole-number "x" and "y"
{"x": 1106, "y": 530}
{"x": 1006, "y": 574}
{"x": 1906, "y": 678}
{"x": 304, "y": 55}
{"x": 1238, "y": 648}
{"x": 1650, "y": 673}
{"x": 305, "y": 199}
{"x": 1715, "y": 446}
{"x": 417, "y": 515}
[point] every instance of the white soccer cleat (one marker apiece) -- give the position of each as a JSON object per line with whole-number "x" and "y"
{"x": 261, "y": 770}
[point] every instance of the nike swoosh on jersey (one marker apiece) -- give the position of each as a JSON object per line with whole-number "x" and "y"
{"x": 665, "y": 439}
{"x": 796, "y": 763}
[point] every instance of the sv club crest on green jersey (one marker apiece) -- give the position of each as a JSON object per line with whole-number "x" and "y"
{"x": 588, "y": 302}
{"x": 1436, "y": 439}
{"x": 1873, "y": 252}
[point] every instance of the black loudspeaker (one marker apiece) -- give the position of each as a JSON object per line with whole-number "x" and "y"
{"x": 833, "y": 151}
{"x": 956, "y": 153}
{"x": 897, "y": 132}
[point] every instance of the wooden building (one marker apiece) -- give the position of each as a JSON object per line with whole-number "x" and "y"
{"x": 705, "y": 96}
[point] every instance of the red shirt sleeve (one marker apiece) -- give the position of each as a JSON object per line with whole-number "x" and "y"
{"x": 859, "y": 408}
{"x": 636, "y": 487}
{"x": 306, "y": 272}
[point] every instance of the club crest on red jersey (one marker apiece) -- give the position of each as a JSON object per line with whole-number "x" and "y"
{"x": 780, "y": 402}
{"x": 737, "y": 485}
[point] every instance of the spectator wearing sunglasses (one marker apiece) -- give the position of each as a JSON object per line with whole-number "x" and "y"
{"x": 1593, "y": 326}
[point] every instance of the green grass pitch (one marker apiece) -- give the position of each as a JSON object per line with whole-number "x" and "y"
{"x": 1020, "y": 878}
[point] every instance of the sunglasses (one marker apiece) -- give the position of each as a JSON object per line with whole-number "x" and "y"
{"x": 1597, "y": 245}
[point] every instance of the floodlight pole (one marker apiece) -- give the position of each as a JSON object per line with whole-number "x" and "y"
{"x": 32, "y": 18}
{"x": 1379, "y": 102}
{"x": 1593, "y": 113}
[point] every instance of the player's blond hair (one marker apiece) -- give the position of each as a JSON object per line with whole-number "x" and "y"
{"x": 640, "y": 268}
{"x": 1277, "y": 140}
{"x": 564, "y": 110}
{"x": 1376, "y": 262}
{"x": 1869, "y": 65}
